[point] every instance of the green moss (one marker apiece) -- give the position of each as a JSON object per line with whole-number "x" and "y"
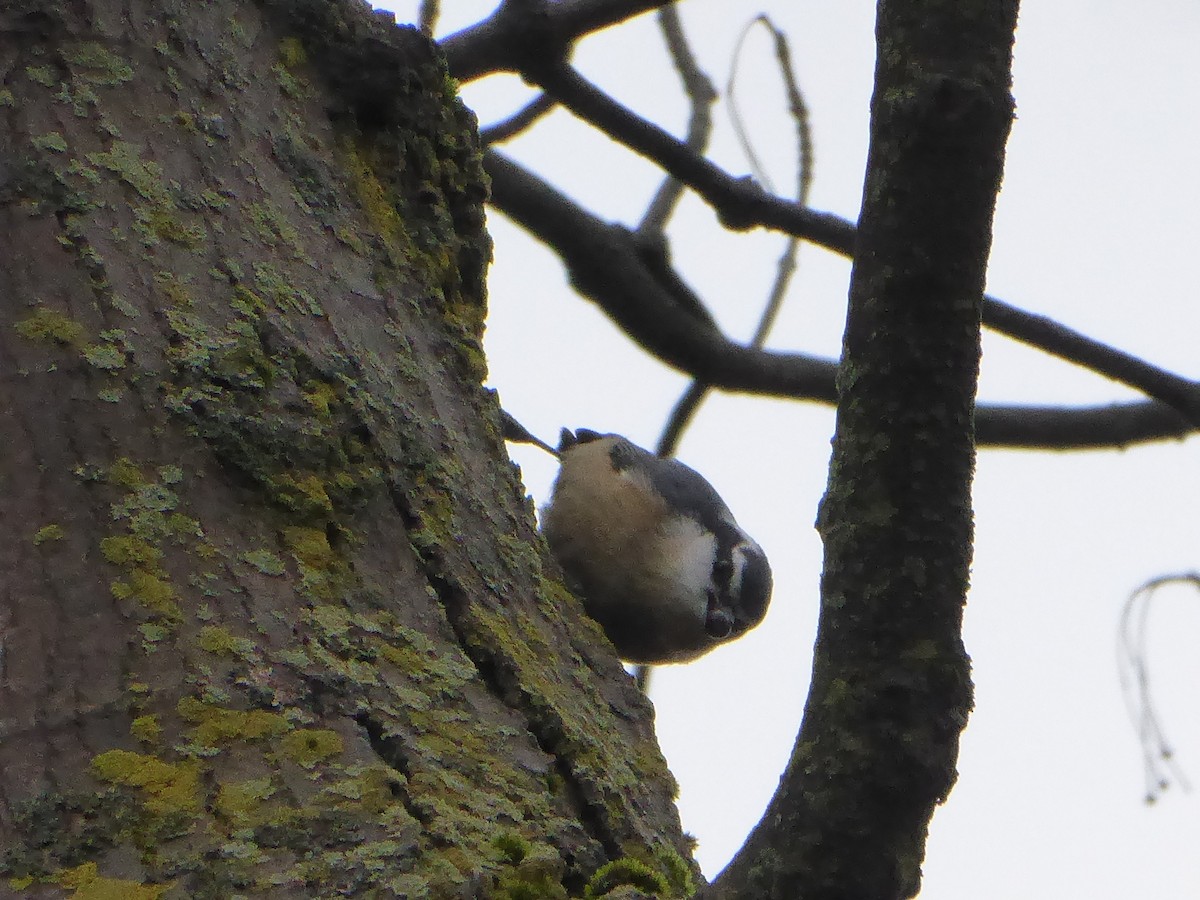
{"x": 152, "y": 634}
{"x": 676, "y": 870}
{"x": 373, "y": 788}
{"x": 272, "y": 228}
{"x": 247, "y": 302}
{"x": 48, "y": 325}
{"x": 170, "y": 474}
{"x": 626, "y": 871}
{"x": 163, "y": 223}
{"x": 528, "y": 886}
{"x": 303, "y": 494}
{"x": 82, "y": 98}
{"x": 322, "y": 397}
{"x": 309, "y": 746}
{"x": 47, "y": 533}
{"x": 174, "y": 288}
{"x": 310, "y": 547}
{"x": 6, "y": 98}
{"x": 166, "y": 787}
{"x": 512, "y": 846}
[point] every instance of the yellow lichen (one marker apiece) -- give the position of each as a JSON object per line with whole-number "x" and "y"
{"x": 241, "y": 802}
{"x": 310, "y": 546}
{"x": 291, "y": 52}
{"x": 309, "y": 746}
{"x": 89, "y": 884}
{"x": 169, "y": 787}
{"x": 126, "y": 550}
{"x": 214, "y": 726}
{"x": 124, "y": 473}
{"x": 48, "y": 533}
{"x": 97, "y": 65}
{"x": 224, "y": 643}
{"x": 145, "y": 729}
{"x": 48, "y": 325}
{"x": 305, "y": 494}
{"x": 377, "y": 203}
{"x": 150, "y": 590}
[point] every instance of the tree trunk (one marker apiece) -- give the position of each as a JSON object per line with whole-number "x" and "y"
{"x": 274, "y": 614}
{"x": 891, "y": 687}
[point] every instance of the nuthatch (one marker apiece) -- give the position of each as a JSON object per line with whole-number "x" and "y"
{"x": 652, "y": 550}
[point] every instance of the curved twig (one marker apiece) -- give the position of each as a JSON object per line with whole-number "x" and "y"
{"x": 689, "y": 402}
{"x": 1158, "y": 760}
{"x": 519, "y": 121}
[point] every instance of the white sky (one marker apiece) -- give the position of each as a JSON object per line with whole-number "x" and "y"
{"x": 1096, "y": 226}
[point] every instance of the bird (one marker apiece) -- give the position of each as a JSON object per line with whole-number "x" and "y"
{"x": 649, "y": 547}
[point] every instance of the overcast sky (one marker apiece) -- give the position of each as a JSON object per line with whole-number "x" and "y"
{"x": 1097, "y": 226}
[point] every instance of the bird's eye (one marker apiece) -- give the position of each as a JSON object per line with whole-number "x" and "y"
{"x": 718, "y": 624}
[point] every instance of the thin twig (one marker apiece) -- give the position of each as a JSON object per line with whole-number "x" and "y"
{"x": 1158, "y": 759}
{"x": 688, "y": 404}
{"x": 701, "y": 94}
{"x": 521, "y": 120}
{"x": 428, "y": 16}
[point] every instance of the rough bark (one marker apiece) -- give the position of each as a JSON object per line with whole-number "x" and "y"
{"x": 891, "y": 685}
{"x": 274, "y": 615}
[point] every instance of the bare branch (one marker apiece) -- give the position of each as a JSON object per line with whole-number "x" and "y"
{"x": 1158, "y": 760}
{"x": 428, "y": 16}
{"x": 689, "y": 403}
{"x": 519, "y": 121}
{"x": 607, "y": 263}
{"x": 701, "y": 95}
{"x": 504, "y": 41}
{"x": 1058, "y": 340}
{"x": 607, "y": 266}
{"x": 740, "y": 203}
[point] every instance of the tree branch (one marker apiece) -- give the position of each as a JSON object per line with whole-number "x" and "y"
{"x": 606, "y": 265}
{"x": 891, "y": 686}
{"x": 504, "y": 41}
{"x": 740, "y": 203}
{"x": 701, "y": 96}
{"x": 523, "y": 119}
